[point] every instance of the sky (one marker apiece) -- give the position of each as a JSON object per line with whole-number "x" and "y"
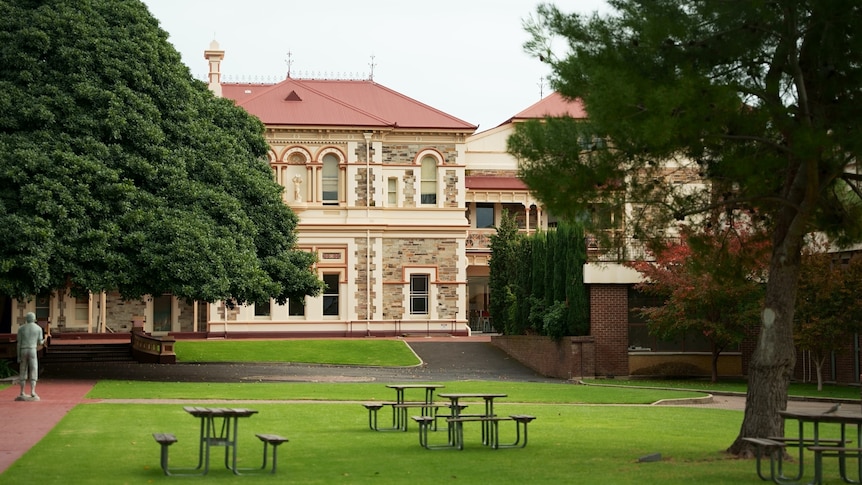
{"x": 462, "y": 57}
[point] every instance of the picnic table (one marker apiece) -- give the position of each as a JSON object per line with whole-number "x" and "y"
{"x": 815, "y": 442}
{"x": 401, "y": 405}
{"x": 828, "y": 448}
{"x": 488, "y": 424}
{"x": 218, "y": 427}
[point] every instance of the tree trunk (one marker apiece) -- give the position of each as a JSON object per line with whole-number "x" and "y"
{"x": 818, "y": 367}
{"x": 716, "y": 352}
{"x": 774, "y": 359}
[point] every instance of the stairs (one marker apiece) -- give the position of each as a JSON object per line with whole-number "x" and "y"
{"x": 87, "y": 352}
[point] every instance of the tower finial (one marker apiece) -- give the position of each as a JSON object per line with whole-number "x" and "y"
{"x": 289, "y": 63}
{"x": 371, "y": 65}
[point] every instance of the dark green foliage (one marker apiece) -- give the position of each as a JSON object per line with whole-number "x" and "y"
{"x": 7, "y": 369}
{"x": 503, "y": 266}
{"x": 546, "y": 293}
{"x": 761, "y": 99}
{"x": 119, "y": 171}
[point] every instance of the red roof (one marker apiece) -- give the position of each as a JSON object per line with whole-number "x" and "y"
{"x": 483, "y": 182}
{"x": 554, "y": 105}
{"x": 337, "y": 103}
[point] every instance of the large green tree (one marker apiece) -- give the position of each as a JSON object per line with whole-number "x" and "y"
{"x": 761, "y": 98}
{"x": 119, "y": 171}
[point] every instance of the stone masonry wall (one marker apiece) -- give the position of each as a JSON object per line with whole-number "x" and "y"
{"x": 401, "y": 253}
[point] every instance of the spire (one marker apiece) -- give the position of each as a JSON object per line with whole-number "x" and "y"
{"x": 214, "y": 56}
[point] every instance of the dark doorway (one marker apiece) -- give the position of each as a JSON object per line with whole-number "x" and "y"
{"x": 5, "y": 314}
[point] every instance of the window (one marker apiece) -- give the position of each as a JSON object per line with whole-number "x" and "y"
{"x": 43, "y": 307}
{"x": 640, "y": 337}
{"x": 429, "y": 180}
{"x": 262, "y": 309}
{"x": 419, "y": 294}
{"x": 484, "y": 216}
{"x": 330, "y": 179}
{"x": 392, "y": 191}
{"x": 296, "y": 307}
{"x": 330, "y": 294}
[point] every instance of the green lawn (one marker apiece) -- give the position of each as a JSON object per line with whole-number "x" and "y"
{"x": 520, "y": 391}
{"x": 383, "y": 352}
{"x": 330, "y": 443}
{"x": 582, "y": 434}
{"x": 796, "y": 389}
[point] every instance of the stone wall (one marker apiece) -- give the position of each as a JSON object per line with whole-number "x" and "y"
{"x": 568, "y": 358}
{"x": 441, "y": 254}
{"x": 119, "y": 312}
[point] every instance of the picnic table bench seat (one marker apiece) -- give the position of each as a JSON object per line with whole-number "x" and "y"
{"x": 165, "y": 440}
{"x": 831, "y": 450}
{"x": 271, "y": 440}
{"x": 374, "y": 407}
{"x": 455, "y": 440}
{"x": 775, "y": 450}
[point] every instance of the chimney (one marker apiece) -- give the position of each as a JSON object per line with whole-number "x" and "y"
{"x": 214, "y": 56}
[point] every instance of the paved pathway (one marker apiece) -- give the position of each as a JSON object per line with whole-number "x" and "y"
{"x": 26, "y": 422}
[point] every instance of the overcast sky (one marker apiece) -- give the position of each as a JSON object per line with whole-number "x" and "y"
{"x": 463, "y": 57}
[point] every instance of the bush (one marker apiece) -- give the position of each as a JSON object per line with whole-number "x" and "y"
{"x": 555, "y": 323}
{"x": 7, "y": 369}
{"x": 670, "y": 370}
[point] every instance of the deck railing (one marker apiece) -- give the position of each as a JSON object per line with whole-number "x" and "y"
{"x": 152, "y": 349}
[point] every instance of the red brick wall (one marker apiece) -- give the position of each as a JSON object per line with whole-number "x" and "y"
{"x": 568, "y": 358}
{"x": 609, "y": 326}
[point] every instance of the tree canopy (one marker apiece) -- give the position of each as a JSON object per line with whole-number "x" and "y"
{"x": 759, "y": 99}
{"x": 828, "y": 308}
{"x": 119, "y": 171}
{"x": 712, "y": 285}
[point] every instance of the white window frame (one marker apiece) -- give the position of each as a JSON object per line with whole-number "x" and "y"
{"x": 429, "y": 155}
{"x": 325, "y": 157}
{"x": 340, "y": 295}
{"x": 431, "y": 272}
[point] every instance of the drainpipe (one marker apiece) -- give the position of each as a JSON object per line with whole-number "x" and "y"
{"x": 367, "y": 234}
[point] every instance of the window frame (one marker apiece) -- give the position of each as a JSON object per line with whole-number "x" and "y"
{"x": 420, "y": 294}
{"x": 485, "y": 205}
{"x": 329, "y": 296}
{"x": 327, "y": 160}
{"x": 425, "y": 169}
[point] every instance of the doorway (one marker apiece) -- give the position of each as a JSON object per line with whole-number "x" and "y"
{"x": 162, "y": 313}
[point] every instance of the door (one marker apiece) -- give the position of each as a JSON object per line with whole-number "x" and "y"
{"x": 162, "y": 314}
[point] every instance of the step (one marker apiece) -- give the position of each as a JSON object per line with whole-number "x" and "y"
{"x": 88, "y": 353}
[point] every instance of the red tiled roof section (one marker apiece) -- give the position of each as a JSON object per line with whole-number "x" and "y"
{"x": 338, "y": 103}
{"x": 553, "y": 105}
{"x": 484, "y": 182}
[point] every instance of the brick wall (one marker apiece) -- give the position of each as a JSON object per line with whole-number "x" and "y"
{"x": 610, "y": 329}
{"x": 568, "y": 358}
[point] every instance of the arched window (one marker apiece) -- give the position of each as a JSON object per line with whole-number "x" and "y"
{"x": 330, "y": 179}
{"x": 428, "y": 189}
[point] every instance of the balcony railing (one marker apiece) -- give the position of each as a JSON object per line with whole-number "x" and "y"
{"x": 611, "y": 247}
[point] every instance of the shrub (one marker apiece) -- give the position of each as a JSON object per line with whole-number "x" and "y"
{"x": 670, "y": 370}
{"x": 6, "y": 369}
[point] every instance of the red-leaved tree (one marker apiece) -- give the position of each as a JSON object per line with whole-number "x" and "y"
{"x": 712, "y": 283}
{"x": 828, "y": 308}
